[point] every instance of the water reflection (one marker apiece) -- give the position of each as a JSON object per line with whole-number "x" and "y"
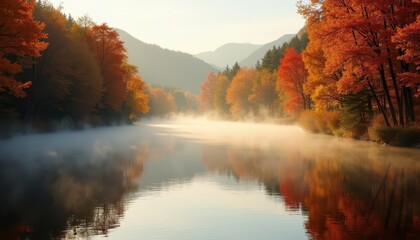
{"x": 348, "y": 189}
{"x": 64, "y": 192}
{"x": 70, "y": 185}
{"x": 206, "y": 180}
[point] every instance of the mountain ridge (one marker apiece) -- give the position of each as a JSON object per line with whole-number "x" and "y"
{"x": 258, "y": 54}
{"x": 228, "y": 54}
{"x": 164, "y": 67}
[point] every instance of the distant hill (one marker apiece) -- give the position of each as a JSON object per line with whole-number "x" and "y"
{"x": 253, "y": 58}
{"x": 228, "y": 54}
{"x": 165, "y": 67}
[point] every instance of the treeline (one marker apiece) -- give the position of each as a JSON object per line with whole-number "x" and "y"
{"x": 271, "y": 59}
{"x": 355, "y": 74}
{"x": 57, "y": 70}
{"x": 240, "y": 93}
{"x": 164, "y": 101}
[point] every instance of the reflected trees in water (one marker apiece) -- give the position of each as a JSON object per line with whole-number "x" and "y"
{"x": 346, "y": 195}
{"x": 65, "y": 195}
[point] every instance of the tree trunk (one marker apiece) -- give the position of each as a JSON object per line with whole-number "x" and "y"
{"x": 388, "y": 96}
{"x": 410, "y": 104}
{"x": 381, "y": 109}
{"x": 395, "y": 85}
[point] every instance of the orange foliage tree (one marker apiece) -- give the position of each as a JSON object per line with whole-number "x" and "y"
{"x": 161, "y": 102}
{"x": 137, "y": 100}
{"x": 207, "y": 93}
{"x": 292, "y": 76}
{"x": 111, "y": 55}
{"x": 85, "y": 76}
{"x": 239, "y": 92}
{"x": 407, "y": 39}
{"x": 320, "y": 86}
{"x": 20, "y": 35}
{"x": 356, "y": 38}
{"x": 264, "y": 94}
{"x": 220, "y": 91}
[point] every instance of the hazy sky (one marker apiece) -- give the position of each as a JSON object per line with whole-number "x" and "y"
{"x": 193, "y": 26}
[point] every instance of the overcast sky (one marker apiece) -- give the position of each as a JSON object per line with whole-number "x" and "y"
{"x": 193, "y": 26}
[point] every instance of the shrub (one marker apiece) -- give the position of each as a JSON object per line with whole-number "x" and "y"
{"x": 385, "y": 134}
{"x": 403, "y": 137}
{"x": 377, "y": 122}
{"x": 333, "y": 120}
{"x": 307, "y": 121}
{"x": 320, "y": 122}
{"x": 407, "y": 137}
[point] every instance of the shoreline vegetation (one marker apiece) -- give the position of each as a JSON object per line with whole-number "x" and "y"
{"x": 352, "y": 71}
{"x": 57, "y": 71}
{"x": 60, "y": 73}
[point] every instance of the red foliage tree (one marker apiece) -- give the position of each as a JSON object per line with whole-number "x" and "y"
{"x": 356, "y": 38}
{"x": 20, "y": 35}
{"x": 111, "y": 55}
{"x": 408, "y": 41}
{"x": 292, "y": 76}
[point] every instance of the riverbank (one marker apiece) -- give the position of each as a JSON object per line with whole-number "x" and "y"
{"x": 329, "y": 123}
{"x": 10, "y": 129}
{"x": 326, "y": 123}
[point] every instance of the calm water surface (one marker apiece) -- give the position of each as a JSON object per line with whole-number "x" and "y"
{"x": 198, "y": 179}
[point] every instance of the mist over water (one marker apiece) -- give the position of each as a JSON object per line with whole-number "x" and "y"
{"x": 194, "y": 178}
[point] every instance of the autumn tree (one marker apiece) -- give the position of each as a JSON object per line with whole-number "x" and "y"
{"x": 407, "y": 39}
{"x": 264, "y": 94}
{"x": 356, "y": 38}
{"x": 161, "y": 103}
{"x": 220, "y": 91}
{"x": 320, "y": 86}
{"x": 51, "y": 71}
{"x": 66, "y": 80}
{"x": 82, "y": 72}
{"x": 292, "y": 77}
{"x": 239, "y": 92}
{"x": 86, "y": 81}
{"x": 207, "y": 93}
{"x": 137, "y": 100}
{"x": 111, "y": 55}
{"x": 20, "y": 36}
{"x": 185, "y": 102}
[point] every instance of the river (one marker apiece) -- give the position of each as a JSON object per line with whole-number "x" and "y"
{"x": 202, "y": 179}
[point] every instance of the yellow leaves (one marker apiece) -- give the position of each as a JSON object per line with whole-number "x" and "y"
{"x": 219, "y": 95}
{"x": 239, "y": 92}
{"x": 137, "y": 100}
{"x": 264, "y": 92}
{"x": 325, "y": 97}
{"x": 321, "y": 86}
